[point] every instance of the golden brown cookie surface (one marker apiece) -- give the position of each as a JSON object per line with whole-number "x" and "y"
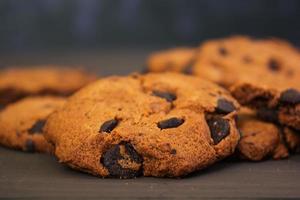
{"x": 21, "y": 123}
{"x": 16, "y": 83}
{"x": 152, "y": 125}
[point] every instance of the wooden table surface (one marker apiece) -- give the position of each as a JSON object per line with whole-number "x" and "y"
{"x": 25, "y": 175}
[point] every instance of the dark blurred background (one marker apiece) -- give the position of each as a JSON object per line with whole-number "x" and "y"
{"x": 92, "y": 25}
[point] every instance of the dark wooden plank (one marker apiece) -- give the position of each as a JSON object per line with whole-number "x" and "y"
{"x": 38, "y": 175}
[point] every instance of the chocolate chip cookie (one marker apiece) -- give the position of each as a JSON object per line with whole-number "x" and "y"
{"x": 16, "y": 83}
{"x": 165, "y": 125}
{"x": 22, "y": 122}
{"x": 262, "y": 74}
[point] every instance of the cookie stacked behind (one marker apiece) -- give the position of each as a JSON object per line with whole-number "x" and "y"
{"x": 152, "y": 125}
{"x": 261, "y": 74}
{"x": 17, "y": 83}
{"x": 27, "y": 91}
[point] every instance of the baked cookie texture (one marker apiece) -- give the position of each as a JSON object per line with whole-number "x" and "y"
{"x": 17, "y": 83}
{"x": 261, "y": 140}
{"x": 262, "y": 74}
{"x": 165, "y": 125}
{"x": 21, "y": 123}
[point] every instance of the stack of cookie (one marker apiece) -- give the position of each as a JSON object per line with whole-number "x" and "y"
{"x": 28, "y": 95}
{"x": 263, "y": 75}
{"x": 162, "y": 124}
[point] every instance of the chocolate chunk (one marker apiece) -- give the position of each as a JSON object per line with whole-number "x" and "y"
{"x": 290, "y": 96}
{"x": 260, "y": 101}
{"x": 165, "y": 95}
{"x": 223, "y": 51}
{"x": 109, "y": 125}
{"x": 30, "y": 146}
{"x": 132, "y": 153}
{"x": 273, "y": 65}
{"x": 219, "y": 128}
{"x": 170, "y": 123}
{"x": 37, "y": 127}
{"x": 112, "y": 158}
{"x": 267, "y": 114}
{"x": 224, "y": 106}
{"x": 173, "y": 151}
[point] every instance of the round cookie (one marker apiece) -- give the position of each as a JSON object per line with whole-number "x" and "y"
{"x": 21, "y": 123}
{"x": 152, "y": 125}
{"x": 237, "y": 59}
{"x": 262, "y": 74}
{"x": 16, "y": 83}
{"x": 259, "y": 139}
